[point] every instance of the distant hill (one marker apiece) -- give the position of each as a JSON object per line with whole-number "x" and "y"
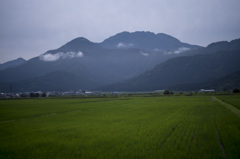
{"x": 228, "y": 82}
{"x": 12, "y": 63}
{"x": 92, "y": 64}
{"x": 183, "y": 71}
{"x": 217, "y": 46}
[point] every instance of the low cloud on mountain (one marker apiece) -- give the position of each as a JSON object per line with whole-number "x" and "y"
{"x": 122, "y": 45}
{"x": 178, "y": 51}
{"x": 144, "y": 53}
{"x": 60, "y": 55}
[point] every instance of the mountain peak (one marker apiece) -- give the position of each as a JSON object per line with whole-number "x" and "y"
{"x": 77, "y": 44}
{"x": 80, "y": 40}
{"x": 144, "y": 40}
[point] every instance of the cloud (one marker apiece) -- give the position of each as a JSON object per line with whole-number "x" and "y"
{"x": 156, "y": 49}
{"x": 144, "y": 53}
{"x": 50, "y": 57}
{"x": 60, "y": 55}
{"x": 181, "y": 49}
{"x": 122, "y": 45}
{"x": 178, "y": 51}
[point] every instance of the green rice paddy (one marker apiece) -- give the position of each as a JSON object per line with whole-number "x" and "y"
{"x": 123, "y": 127}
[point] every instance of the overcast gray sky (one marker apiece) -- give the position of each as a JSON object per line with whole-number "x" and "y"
{"x": 29, "y": 28}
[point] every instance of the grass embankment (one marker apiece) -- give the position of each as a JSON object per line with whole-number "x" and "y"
{"x": 158, "y": 127}
{"x": 230, "y": 99}
{"x": 234, "y": 100}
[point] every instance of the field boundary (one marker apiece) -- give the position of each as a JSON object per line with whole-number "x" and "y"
{"x": 220, "y": 143}
{"x": 228, "y": 106}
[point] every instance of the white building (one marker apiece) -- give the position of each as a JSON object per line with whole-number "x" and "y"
{"x": 207, "y": 90}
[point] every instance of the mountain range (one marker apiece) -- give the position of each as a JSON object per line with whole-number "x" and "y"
{"x": 138, "y": 61}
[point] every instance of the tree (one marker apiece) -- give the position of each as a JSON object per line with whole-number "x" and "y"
{"x": 43, "y": 94}
{"x": 236, "y": 90}
{"x": 37, "y": 95}
{"x": 167, "y": 92}
{"x": 32, "y": 94}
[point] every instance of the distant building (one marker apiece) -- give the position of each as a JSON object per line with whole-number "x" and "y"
{"x": 159, "y": 91}
{"x": 207, "y": 90}
{"x": 115, "y": 93}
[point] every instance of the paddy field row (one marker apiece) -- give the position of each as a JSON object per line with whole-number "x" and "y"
{"x": 127, "y": 127}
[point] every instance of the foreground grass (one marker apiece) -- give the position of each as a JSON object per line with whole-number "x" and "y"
{"x": 153, "y": 127}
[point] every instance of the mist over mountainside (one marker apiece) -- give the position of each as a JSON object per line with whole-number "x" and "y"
{"x": 82, "y": 64}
